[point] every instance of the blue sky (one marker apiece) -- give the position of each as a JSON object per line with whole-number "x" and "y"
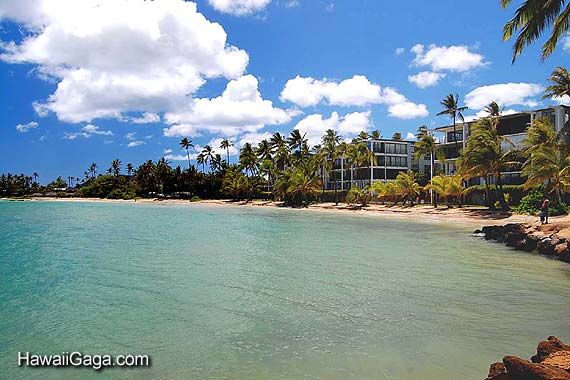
{"x": 94, "y": 80}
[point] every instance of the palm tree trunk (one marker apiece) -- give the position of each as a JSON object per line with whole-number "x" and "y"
{"x": 500, "y": 193}
{"x": 188, "y": 154}
{"x": 434, "y": 193}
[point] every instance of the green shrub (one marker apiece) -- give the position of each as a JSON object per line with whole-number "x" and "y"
{"x": 530, "y": 204}
{"x": 195, "y": 198}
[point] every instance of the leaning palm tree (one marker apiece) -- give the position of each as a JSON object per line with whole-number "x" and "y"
{"x": 426, "y": 145}
{"x": 227, "y": 144}
{"x": 447, "y": 186}
{"x": 560, "y": 86}
{"x": 549, "y": 164}
{"x": 493, "y": 109}
{"x": 185, "y": 143}
{"x": 531, "y": 19}
{"x": 200, "y": 160}
{"x": 452, "y": 109}
{"x": 408, "y": 186}
{"x": 208, "y": 155}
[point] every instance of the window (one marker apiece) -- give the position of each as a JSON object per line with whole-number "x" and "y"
{"x": 454, "y": 136}
{"x": 396, "y": 148}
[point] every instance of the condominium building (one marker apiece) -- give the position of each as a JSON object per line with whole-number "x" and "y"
{"x": 512, "y": 126}
{"x": 392, "y": 157}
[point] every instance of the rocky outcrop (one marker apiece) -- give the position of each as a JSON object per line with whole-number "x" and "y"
{"x": 529, "y": 238}
{"x": 551, "y": 362}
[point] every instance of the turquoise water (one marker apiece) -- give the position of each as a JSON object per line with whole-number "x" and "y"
{"x": 241, "y": 293}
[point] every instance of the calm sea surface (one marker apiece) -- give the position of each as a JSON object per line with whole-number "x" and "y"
{"x": 239, "y": 293}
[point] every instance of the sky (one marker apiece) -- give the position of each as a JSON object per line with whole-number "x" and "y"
{"x": 93, "y": 80}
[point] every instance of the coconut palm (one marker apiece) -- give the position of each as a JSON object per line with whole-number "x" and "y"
{"x": 397, "y": 136}
{"x": 305, "y": 182}
{"x": 93, "y": 169}
{"x": 200, "y": 160}
{"x": 531, "y": 20}
{"x": 376, "y": 134}
{"x": 560, "y": 86}
{"x": 116, "y": 167}
{"x": 484, "y": 156}
{"x": 360, "y": 155}
{"x": 330, "y": 150}
{"x": 408, "y": 186}
{"x": 249, "y": 163}
{"x": 298, "y": 141}
{"x": 227, "y": 144}
{"x": 186, "y": 144}
{"x": 35, "y": 175}
{"x": 129, "y": 169}
{"x": 539, "y": 135}
{"x": 452, "y": 109}
{"x": 362, "y": 136}
{"x": 426, "y": 145}
{"x": 447, "y": 186}
{"x": 208, "y": 155}
{"x": 280, "y": 150}
{"x": 548, "y": 164}
{"x": 386, "y": 191}
{"x": 493, "y": 109}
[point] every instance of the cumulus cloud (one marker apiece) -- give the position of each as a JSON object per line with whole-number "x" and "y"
{"x": 86, "y": 132}
{"x": 133, "y": 144}
{"x": 410, "y": 136}
{"x": 113, "y": 57}
{"x": 482, "y": 113}
{"x": 23, "y": 128}
{"x": 146, "y": 118}
{"x": 562, "y": 99}
{"x": 315, "y": 126}
{"x": 566, "y": 43}
{"x": 504, "y": 94}
{"x": 399, "y": 51}
{"x": 452, "y": 58}
{"x": 356, "y": 91}
{"x": 238, "y": 110}
{"x": 239, "y": 7}
{"x": 425, "y": 78}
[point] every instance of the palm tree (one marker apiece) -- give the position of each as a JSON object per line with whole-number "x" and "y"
{"x": 200, "y": 160}
{"x": 129, "y": 169}
{"x": 362, "y": 136}
{"x": 560, "y": 86}
{"x": 447, "y": 186}
{"x": 280, "y": 149}
{"x": 304, "y": 181}
{"x": 116, "y": 167}
{"x": 248, "y": 161}
{"x": 427, "y": 145}
{"x": 226, "y": 144}
{"x": 397, "y": 136}
{"x": 265, "y": 154}
{"x": 452, "y": 109}
{"x": 531, "y": 19}
{"x": 376, "y": 134}
{"x": 548, "y": 164}
{"x": 484, "y": 156}
{"x": 93, "y": 169}
{"x": 185, "y": 143}
{"x": 408, "y": 186}
{"x": 297, "y": 141}
{"x": 208, "y": 154}
{"x": 359, "y": 155}
{"x": 35, "y": 175}
{"x": 493, "y": 109}
{"x": 330, "y": 150}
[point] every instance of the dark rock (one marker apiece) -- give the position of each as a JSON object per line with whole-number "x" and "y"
{"x": 565, "y": 256}
{"x": 560, "y": 359}
{"x": 546, "y": 246}
{"x": 530, "y": 243}
{"x": 514, "y": 239}
{"x": 547, "y": 347}
{"x": 560, "y": 248}
{"x": 497, "y": 371}
{"x": 477, "y": 231}
{"x": 492, "y": 232}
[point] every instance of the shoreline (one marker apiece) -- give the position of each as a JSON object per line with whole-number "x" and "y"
{"x": 468, "y": 216}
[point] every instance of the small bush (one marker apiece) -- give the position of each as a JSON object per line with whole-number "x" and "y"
{"x": 530, "y": 204}
{"x": 195, "y": 198}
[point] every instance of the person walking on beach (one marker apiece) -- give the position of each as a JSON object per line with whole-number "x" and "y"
{"x": 544, "y": 211}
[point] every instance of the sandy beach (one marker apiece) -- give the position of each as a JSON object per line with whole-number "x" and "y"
{"x": 476, "y": 216}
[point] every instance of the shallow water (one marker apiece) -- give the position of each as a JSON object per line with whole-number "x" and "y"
{"x": 252, "y": 293}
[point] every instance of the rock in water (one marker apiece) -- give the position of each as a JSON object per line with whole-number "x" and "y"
{"x": 497, "y": 371}
{"x": 547, "y": 347}
{"x": 560, "y": 359}
{"x": 519, "y": 369}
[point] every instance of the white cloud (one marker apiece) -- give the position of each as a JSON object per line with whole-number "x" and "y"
{"x": 329, "y": 7}
{"x": 410, "y": 136}
{"x": 505, "y": 94}
{"x": 131, "y": 136}
{"x": 180, "y": 157}
{"x": 239, "y": 7}
{"x": 453, "y": 58}
{"x": 399, "y": 51}
{"x": 133, "y": 144}
{"x": 114, "y": 57}
{"x": 166, "y": 151}
{"x": 314, "y": 126}
{"x": 23, "y": 128}
{"x": 408, "y": 110}
{"x": 253, "y": 138}
{"x": 356, "y": 91}
{"x": 566, "y": 43}
{"x": 482, "y": 113}
{"x": 425, "y": 78}
{"x": 562, "y": 99}
{"x": 146, "y": 118}
{"x": 239, "y": 109}
{"x": 86, "y": 132}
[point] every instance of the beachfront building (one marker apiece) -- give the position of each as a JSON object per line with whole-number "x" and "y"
{"x": 512, "y": 126}
{"x": 392, "y": 157}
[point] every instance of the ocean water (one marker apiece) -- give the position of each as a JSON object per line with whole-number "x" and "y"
{"x": 253, "y": 293}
